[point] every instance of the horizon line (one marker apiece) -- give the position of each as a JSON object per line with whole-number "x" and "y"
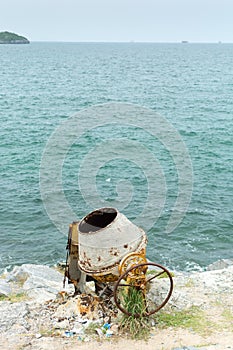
{"x": 184, "y": 42}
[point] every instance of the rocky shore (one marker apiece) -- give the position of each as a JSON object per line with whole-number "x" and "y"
{"x": 36, "y": 312}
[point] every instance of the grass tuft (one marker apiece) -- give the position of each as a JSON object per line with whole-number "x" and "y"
{"x": 228, "y": 317}
{"x": 14, "y": 298}
{"x": 193, "y": 319}
{"x": 136, "y": 324}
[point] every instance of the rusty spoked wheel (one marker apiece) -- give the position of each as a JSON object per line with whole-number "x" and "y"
{"x": 143, "y": 289}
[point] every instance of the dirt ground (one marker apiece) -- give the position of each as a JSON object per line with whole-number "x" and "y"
{"x": 166, "y": 339}
{"x": 211, "y": 292}
{"x": 218, "y": 334}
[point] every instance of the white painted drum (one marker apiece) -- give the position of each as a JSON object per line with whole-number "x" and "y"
{"x": 105, "y": 237}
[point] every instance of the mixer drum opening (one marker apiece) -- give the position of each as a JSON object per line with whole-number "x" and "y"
{"x": 97, "y": 220}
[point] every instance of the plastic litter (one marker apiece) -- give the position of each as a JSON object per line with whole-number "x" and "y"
{"x": 69, "y": 334}
{"x": 109, "y": 333}
{"x": 106, "y": 326}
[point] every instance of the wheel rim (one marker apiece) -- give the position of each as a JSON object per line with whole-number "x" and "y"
{"x": 139, "y": 278}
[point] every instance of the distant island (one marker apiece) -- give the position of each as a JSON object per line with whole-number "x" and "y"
{"x": 12, "y": 38}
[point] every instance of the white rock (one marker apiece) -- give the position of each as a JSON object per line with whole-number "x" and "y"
{"x": 39, "y": 272}
{"x": 5, "y": 289}
{"x": 220, "y": 264}
{"x": 11, "y": 314}
{"x": 39, "y": 281}
{"x": 40, "y": 295}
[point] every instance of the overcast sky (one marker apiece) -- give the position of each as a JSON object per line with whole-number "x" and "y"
{"x": 119, "y": 20}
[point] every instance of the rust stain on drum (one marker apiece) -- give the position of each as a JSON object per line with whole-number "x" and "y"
{"x": 114, "y": 251}
{"x": 86, "y": 261}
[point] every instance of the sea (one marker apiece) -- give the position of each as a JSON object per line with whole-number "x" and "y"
{"x": 42, "y": 85}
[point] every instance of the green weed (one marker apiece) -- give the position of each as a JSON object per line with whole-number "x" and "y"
{"x": 14, "y": 298}
{"x": 136, "y": 324}
{"x": 193, "y": 319}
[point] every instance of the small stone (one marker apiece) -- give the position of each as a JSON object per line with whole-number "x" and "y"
{"x": 82, "y": 320}
{"x": 115, "y": 328}
{"x": 62, "y": 325}
{"x": 77, "y": 330}
{"x": 99, "y": 332}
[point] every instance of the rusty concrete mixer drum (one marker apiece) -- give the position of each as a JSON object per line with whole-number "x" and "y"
{"x": 108, "y": 248}
{"x": 106, "y": 236}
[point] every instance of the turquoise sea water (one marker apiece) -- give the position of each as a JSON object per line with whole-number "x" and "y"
{"x": 191, "y": 85}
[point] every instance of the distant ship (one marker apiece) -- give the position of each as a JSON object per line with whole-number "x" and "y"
{"x": 184, "y": 42}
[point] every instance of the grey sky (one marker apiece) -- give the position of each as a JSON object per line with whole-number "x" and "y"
{"x": 119, "y": 20}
